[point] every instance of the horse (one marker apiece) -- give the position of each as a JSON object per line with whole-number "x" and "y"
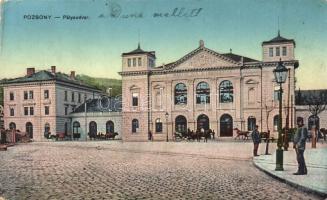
{"x": 111, "y": 135}
{"x": 244, "y": 134}
{"x": 178, "y": 135}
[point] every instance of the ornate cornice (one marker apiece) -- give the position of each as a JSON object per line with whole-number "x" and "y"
{"x": 196, "y": 51}
{"x": 171, "y": 70}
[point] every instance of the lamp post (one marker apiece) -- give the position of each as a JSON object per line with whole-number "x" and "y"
{"x": 280, "y": 75}
{"x": 166, "y": 115}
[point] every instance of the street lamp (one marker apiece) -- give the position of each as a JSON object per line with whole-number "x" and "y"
{"x": 166, "y": 115}
{"x": 280, "y": 76}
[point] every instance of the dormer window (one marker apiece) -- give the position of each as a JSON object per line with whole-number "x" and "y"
{"x": 139, "y": 62}
{"x": 129, "y": 62}
{"x": 284, "y": 51}
{"x": 271, "y": 52}
{"x": 277, "y": 51}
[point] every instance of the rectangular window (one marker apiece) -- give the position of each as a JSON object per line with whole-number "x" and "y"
{"x": 129, "y": 62}
{"x": 134, "y": 62}
{"x": 31, "y": 110}
{"x": 271, "y": 52}
{"x": 12, "y": 112}
{"x": 276, "y": 95}
{"x": 25, "y": 95}
{"x": 277, "y": 51}
{"x": 139, "y": 62}
{"x": 46, "y": 94}
{"x": 30, "y": 96}
{"x": 158, "y": 127}
{"x": 25, "y": 110}
{"x": 66, "y": 110}
{"x": 66, "y": 96}
{"x": 46, "y": 110}
{"x": 284, "y": 51}
{"x": 79, "y": 97}
{"x": 12, "y": 97}
{"x": 135, "y": 98}
{"x": 73, "y": 96}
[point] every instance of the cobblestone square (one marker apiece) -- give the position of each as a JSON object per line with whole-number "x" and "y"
{"x": 116, "y": 170}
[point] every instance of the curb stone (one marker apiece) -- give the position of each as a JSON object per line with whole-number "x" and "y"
{"x": 291, "y": 183}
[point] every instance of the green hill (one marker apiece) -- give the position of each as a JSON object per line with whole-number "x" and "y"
{"x": 102, "y": 83}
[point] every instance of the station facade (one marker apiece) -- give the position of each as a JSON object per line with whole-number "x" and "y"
{"x": 205, "y": 89}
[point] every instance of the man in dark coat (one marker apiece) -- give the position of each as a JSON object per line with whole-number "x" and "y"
{"x": 299, "y": 140}
{"x": 256, "y": 140}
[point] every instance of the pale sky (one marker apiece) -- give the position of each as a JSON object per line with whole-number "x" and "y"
{"x": 93, "y": 46}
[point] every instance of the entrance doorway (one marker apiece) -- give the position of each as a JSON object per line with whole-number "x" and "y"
{"x": 180, "y": 124}
{"x": 226, "y": 126}
{"x": 29, "y": 129}
{"x": 203, "y": 122}
{"x": 93, "y": 129}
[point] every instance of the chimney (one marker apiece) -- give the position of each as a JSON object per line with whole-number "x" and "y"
{"x": 53, "y": 69}
{"x": 30, "y": 71}
{"x": 72, "y": 74}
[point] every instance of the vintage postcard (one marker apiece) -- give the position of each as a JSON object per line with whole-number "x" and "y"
{"x": 163, "y": 99}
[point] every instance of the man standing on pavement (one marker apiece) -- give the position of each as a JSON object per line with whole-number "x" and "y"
{"x": 256, "y": 140}
{"x": 300, "y": 138}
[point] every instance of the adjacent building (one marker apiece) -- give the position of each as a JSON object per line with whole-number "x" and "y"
{"x": 103, "y": 115}
{"x": 41, "y": 102}
{"x": 205, "y": 89}
{"x": 311, "y": 102}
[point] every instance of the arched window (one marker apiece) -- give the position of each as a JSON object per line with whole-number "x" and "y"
{"x": 76, "y": 126}
{"x": 180, "y": 124}
{"x": 226, "y": 92}
{"x": 110, "y": 127}
{"x": 47, "y": 128}
{"x": 276, "y": 120}
{"x": 251, "y": 123}
{"x": 202, "y": 93}
{"x": 180, "y": 94}
{"x": 158, "y": 125}
{"x": 313, "y": 121}
{"x": 12, "y": 126}
{"x": 135, "y": 125}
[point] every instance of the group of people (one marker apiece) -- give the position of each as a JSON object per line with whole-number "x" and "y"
{"x": 299, "y": 141}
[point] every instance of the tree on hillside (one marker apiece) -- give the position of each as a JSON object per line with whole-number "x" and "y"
{"x": 102, "y": 83}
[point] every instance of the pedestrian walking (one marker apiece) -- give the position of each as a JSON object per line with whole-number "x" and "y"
{"x": 256, "y": 140}
{"x": 300, "y": 138}
{"x": 150, "y": 136}
{"x": 213, "y": 134}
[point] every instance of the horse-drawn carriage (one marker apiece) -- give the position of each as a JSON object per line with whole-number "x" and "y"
{"x": 103, "y": 136}
{"x": 194, "y": 135}
{"x": 242, "y": 134}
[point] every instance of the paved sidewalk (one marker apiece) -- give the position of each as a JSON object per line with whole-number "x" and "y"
{"x": 316, "y": 179}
